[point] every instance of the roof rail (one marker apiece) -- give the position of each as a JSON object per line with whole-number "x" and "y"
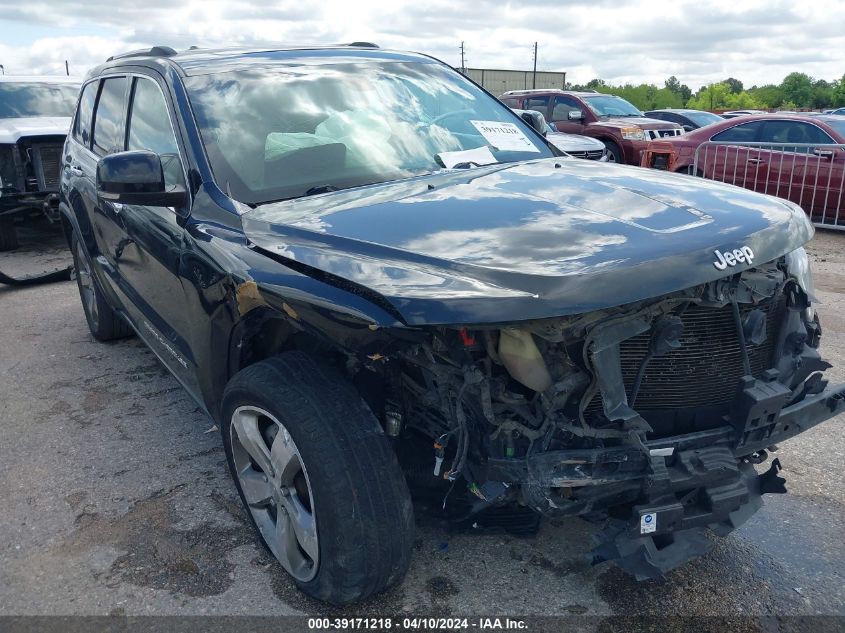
{"x": 362, "y": 45}
{"x": 155, "y": 51}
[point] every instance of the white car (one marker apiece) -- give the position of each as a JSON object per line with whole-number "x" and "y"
{"x": 575, "y": 145}
{"x": 35, "y": 114}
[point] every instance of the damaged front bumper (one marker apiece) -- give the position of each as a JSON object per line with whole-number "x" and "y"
{"x": 29, "y": 204}
{"x": 675, "y": 488}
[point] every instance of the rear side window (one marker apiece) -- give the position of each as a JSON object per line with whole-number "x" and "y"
{"x": 793, "y": 132}
{"x": 743, "y": 133}
{"x": 108, "y": 119}
{"x": 82, "y": 126}
{"x": 511, "y": 102}
{"x": 538, "y": 104}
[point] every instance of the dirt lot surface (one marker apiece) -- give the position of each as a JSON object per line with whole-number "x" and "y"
{"x": 116, "y": 500}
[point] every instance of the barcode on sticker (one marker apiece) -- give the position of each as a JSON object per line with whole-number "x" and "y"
{"x": 648, "y": 523}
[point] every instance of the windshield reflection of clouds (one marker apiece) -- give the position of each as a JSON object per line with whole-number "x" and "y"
{"x": 357, "y": 123}
{"x": 37, "y": 100}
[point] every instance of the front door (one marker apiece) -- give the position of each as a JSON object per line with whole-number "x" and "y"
{"x": 149, "y": 252}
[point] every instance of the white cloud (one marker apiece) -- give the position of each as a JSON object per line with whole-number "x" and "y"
{"x": 755, "y": 41}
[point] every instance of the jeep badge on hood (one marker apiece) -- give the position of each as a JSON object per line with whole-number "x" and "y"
{"x": 739, "y": 255}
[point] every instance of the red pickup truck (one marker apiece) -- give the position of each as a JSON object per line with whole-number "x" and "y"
{"x": 623, "y": 129}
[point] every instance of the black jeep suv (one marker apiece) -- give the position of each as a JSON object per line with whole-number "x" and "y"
{"x": 372, "y": 273}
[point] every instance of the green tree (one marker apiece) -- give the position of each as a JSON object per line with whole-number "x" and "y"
{"x": 719, "y": 97}
{"x": 769, "y": 96}
{"x": 798, "y": 88}
{"x": 682, "y": 90}
{"x": 734, "y": 85}
{"x": 823, "y": 94}
{"x": 839, "y": 93}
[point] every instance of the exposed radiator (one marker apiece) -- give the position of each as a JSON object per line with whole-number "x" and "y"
{"x": 706, "y": 368}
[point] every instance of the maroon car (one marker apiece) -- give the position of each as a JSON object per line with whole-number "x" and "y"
{"x": 623, "y": 129}
{"x": 799, "y": 157}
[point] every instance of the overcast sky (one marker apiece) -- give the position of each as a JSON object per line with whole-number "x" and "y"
{"x": 699, "y": 41}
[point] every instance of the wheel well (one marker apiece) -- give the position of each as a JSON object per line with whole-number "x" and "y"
{"x": 264, "y": 333}
{"x": 608, "y": 139}
{"x": 67, "y": 230}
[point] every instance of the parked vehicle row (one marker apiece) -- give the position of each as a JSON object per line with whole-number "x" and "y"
{"x": 623, "y": 129}
{"x": 372, "y": 274}
{"x": 34, "y": 120}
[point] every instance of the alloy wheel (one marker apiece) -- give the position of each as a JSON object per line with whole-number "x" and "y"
{"x": 86, "y": 285}
{"x": 275, "y": 484}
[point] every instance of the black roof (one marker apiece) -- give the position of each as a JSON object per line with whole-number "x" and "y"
{"x": 198, "y": 61}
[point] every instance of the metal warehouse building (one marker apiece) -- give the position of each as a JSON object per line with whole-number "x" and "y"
{"x": 499, "y": 81}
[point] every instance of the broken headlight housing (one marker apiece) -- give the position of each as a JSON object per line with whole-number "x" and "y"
{"x": 798, "y": 265}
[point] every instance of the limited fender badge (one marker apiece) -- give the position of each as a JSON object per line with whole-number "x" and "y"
{"x": 648, "y": 523}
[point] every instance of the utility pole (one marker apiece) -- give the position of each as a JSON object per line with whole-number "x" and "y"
{"x": 463, "y": 63}
{"x": 2, "y": 69}
{"x": 67, "y": 69}
{"x": 534, "y": 81}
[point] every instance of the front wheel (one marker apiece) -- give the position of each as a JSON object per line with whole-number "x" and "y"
{"x": 614, "y": 152}
{"x": 8, "y": 236}
{"x": 318, "y": 477}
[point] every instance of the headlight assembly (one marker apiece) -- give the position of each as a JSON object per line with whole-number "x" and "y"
{"x": 633, "y": 134}
{"x": 798, "y": 265}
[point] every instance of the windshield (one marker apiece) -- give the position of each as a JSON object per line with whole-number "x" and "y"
{"x": 608, "y": 105}
{"x": 36, "y": 99}
{"x": 839, "y": 126}
{"x": 278, "y": 132}
{"x": 703, "y": 118}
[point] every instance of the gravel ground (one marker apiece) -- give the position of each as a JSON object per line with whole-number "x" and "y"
{"x": 116, "y": 500}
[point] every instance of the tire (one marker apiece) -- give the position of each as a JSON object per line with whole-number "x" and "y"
{"x": 355, "y": 537}
{"x": 615, "y": 153}
{"x": 8, "y": 236}
{"x": 105, "y": 324}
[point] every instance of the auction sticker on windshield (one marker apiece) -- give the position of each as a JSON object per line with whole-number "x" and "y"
{"x": 505, "y": 136}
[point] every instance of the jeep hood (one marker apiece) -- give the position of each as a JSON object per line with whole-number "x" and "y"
{"x": 527, "y": 240}
{"x": 12, "y": 130}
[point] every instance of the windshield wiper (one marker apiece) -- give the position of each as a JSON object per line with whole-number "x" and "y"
{"x": 313, "y": 191}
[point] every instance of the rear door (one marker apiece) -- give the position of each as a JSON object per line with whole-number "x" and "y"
{"x": 107, "y": 138}
{"x": 727, "y": 161}
{"x": 80, "y": 165}
{"x": 803, "y": 170}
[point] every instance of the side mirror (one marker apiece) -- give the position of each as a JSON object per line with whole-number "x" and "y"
{"x": 137, "y": 178}
{"x": 688, "y": 128}
{"x": 535, "y": 120}
{"x": 575, "y": 115}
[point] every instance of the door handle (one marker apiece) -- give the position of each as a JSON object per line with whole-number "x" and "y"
{"x": 76, "y": 171}
{"x": 755, "y": 161}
